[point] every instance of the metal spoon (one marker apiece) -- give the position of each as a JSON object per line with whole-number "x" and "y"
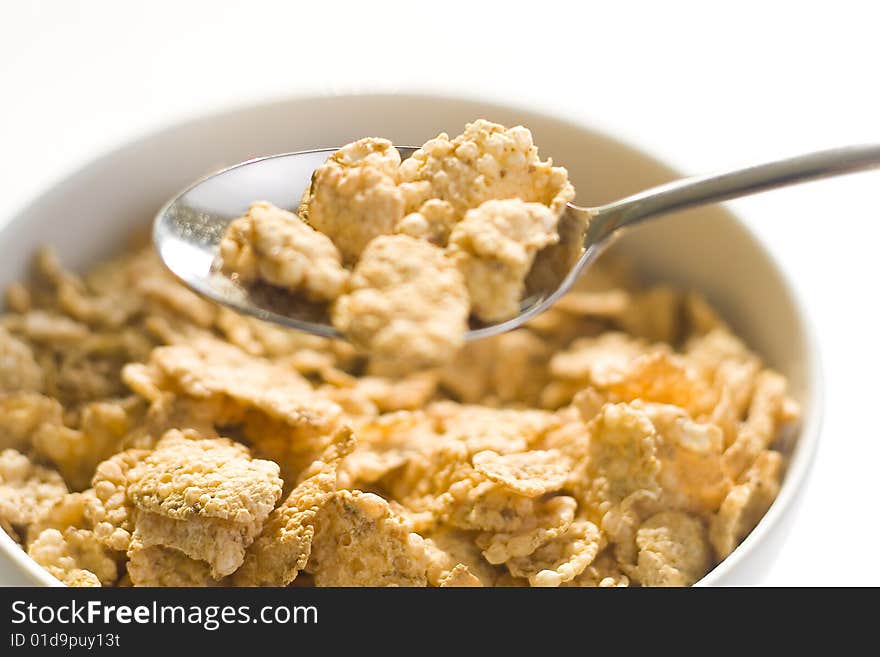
{"x": 187, "y": 231}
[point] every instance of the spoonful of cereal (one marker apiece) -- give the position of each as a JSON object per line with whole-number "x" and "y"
{"x": 408, "y": 252}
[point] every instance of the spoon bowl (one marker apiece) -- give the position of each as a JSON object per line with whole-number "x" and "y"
{"x": 188, "y": 229}
{"x": 187, "y": 232}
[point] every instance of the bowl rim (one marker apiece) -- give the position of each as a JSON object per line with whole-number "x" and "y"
{"x": 810, "y": 426}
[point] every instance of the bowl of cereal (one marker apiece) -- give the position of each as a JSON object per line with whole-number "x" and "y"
{"x": 651, "y": 429}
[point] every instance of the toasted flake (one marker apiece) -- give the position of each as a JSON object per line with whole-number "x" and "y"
{"x": 276, "y": 246}
{"x": 511, "y": 367}
{"x": 691, "y": 472}
{"x": 552, "y": 519}
{"x": 673, "y": 550}
{"x": 664, "y": 378}
{"x": 604, "y": 572}
{"x": 360, "y": 541}
{"x": 562, "y": 559}
{"x": 386, "y": 443}
{"x": 488, "y": 507}
{"x": 283, "y": 548}
{"x": 460, "y": 577}
{"x": 21, "y": 414}
{"x": 598, "y": 361}
{"x": 487, "y": 161}
{"x": 112, "y": 514}
{"x": 354, "y": 196}
{"x": 503, "y": 430}
{"x": 407, "y": 306}
{"x": 654, "y": 315}
{"x": 494, "y": 247}
{"x": 211, "y": 368}
{"x": 433, "y": 222}
{"x": 76, "y": 452}
{"x": 74, "y": 556}
{"x": 204, "y": 497}
{"x": 162, "y": 566}
{"x": 447, "y": 549}
{"x": 766, "y": 415}
{"x": 19, "y": 371}
{"x": 623, "y": 454}
{"x": 70, "y": 510}
{"x": 27, "y": 490}
{"x": 283, "y": 417}
{"x": 531, "y": 474}
{"x": 746, "y": 503}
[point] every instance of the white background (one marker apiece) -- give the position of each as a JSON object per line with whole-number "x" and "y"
{"x": 701, "y": 85}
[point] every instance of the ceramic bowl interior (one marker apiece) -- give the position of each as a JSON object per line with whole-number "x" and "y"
{"x": 88, "y": 215}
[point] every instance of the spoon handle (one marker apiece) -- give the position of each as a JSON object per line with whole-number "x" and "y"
{"x": 700, "y": 190}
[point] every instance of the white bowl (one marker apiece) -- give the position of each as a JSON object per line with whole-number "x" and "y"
{"x": 89, "y": 214}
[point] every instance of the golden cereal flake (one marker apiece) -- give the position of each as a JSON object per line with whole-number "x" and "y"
{"x": 553, "y": 518}
{"x": 21, "y": 414}
{"x": 653, "y": 315}
{"x": 354, "y": 196}
{"x": 622, "y": 520}
{"x": 568, "y": 434}
{"x": 768, "y": 411}
{"x": 700, "y": 316}
{"x": 76, "y": 452}
{"x": 27, "y": 490}
{"x": 664, "y": 378}
{"x": 511, "y": 367}
{"x": 588, "y": 402}
{"x": 487, "y": 507}
{"x": 71, "y": 295}
{"x": 204, "y": 497}
{"x": 725, "y": 361}
{"x": 690, "y": 455}
{"x": 69, "y": 510}
{"x": 360, "y": 541}
{"x": 494, "y": 247}
{"x": 269, "y": 340}
{"x": 18, "y": 298}
{"x": 112, "y": 513}
{"x": 598, "y": 361}
{"x": 18, "y": 368}
{"x": 75, "y": 557}
{"x": 623, "y": 455}
{"x": 406, "y": 393}
{"x": 460, "y": 577}
{"x": 276, "y": 246}
{"x": 168, "y": 297}
{"x": 531, "y": 474}
{"x": 209, "y": 368}
{"x": 486, "y": 162}
{"x": 433, "y": 222}
{"x": 282, "y": 549}
{"x": 746, "y": 503}
{"x": 673, "y": 550}
{"x": 291, "y": 422}
{"x": 604, "y": 572}
{"x": 503, "y": 430}
{"x": 162, "y": 566}
{"x": 430, "y": 469}
{"x": 449, "y": 548}
{"x": 562, "y": 559}
{"x": 42, "y": 327}
{"x": 406, "y": 306}
{"x": 386, "y": 443}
